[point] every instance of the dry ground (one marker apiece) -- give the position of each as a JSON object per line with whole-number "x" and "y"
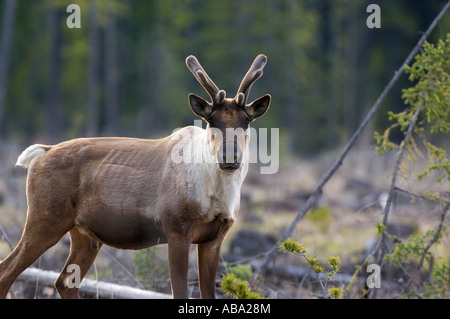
{"x": 342, "y": 223}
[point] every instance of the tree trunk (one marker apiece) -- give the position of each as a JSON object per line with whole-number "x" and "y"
{"x": 54, "y": 109}
{"x": 92, "y": 71}
{"x": 293, "y": 100}
{"x": 111, "y": 77}
{"x": 351, "y": 84}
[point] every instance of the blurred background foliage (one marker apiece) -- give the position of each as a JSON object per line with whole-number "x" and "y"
{"x": 123, "y": 72}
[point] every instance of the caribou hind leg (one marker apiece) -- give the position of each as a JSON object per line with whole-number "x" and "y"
{"x": 39, "y": 235}
{"x": 82, "y": 255}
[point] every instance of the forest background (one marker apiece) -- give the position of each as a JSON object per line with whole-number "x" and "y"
{"x": 123, "y": 73}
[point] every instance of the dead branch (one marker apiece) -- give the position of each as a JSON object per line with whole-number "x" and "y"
{"x": 384, "y": 237}
{"x": 379, "y": 249}
{"x": 403, "y": 147}
{"x": 4, "y": 236}
{"x": 436, "y": 235}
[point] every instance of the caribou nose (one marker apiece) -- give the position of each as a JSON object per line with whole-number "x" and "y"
{"x": 231, "y": 158}
{"x": 231, "y": 153}
{"x": 230, "y": 167}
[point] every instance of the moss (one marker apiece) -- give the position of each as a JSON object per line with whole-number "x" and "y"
{"x": 241, "y": 271}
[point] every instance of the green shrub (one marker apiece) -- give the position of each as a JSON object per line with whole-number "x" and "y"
{"x": 291, "y": 246}
{"x": 237, "y": 288}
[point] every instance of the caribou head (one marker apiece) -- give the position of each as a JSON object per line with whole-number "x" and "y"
{"x": 228, "y": 119}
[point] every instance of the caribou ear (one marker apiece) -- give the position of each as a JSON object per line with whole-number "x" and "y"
{"x": 199, "y": 106}
{"x": 258, "y": 107}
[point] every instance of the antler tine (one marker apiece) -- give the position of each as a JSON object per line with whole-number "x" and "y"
{"x": 253, "y": 74}
{"x": 202, "y": 77}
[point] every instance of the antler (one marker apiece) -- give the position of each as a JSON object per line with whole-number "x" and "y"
{"x": 253, "y": 74}
{"x": 217, "y": 96}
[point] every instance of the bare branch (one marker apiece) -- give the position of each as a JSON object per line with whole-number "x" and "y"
{"x": 436, "y": 235}
{"x": 403, "y": 146}
{"x": 413, "y": 277}
{"x": 6, "y": 238}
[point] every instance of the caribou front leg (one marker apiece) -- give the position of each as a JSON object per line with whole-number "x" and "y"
{"x": 208, "y": 256}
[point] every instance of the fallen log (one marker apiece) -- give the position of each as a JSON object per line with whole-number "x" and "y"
{"x": 291, "y": 271}
{"x": 300, "y": 272}
{"x": 100, "y": 289}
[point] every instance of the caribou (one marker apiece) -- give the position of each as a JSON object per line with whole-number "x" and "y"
{"x": 129, "y": 193}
